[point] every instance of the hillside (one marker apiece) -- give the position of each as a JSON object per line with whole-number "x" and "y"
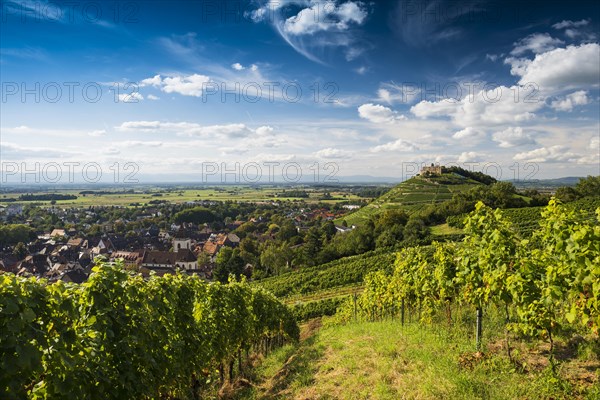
{"x": 461, "y": 322}
{"x": 388, "y": 360}
{"x": 320, "y": 290}
{"x": 413, "y": 194}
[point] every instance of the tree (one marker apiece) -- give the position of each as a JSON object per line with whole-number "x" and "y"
{"x": 287, "y": 230}
{"x": 389, "y": 237}
{"x": 589, "y": 186}
{"x": 228, "y": 262}
{"x": 197, "y": 215}
{"x": 415, "y": 230}
{"x": 20, "y": 250}
{"x": 329, "y": 229}
{"x": 566, "y": 194}
{"x": 203, "y": 258}
{"x": 276, "y": 257}
{"x": 14, "y": 233}
{"x": 312, "y": 245}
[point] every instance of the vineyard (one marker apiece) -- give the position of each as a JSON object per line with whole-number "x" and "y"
{"x": 339, "y": 273}
{"x": 547, "y": 284}
{"x": 527, "y": 219}
{"x": 118, "y": 336}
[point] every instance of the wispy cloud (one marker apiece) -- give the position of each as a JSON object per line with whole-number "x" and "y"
{"x": 319, "y": 26}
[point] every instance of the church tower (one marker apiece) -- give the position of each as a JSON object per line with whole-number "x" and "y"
{"x": 181, "y": 240}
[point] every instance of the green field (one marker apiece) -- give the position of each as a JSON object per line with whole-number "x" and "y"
{"x": 212, "y": 193}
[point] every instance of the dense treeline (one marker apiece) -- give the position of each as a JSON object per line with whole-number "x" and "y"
{"x": 301, "y": 194}
{"x": 475, "y": 175}
{"x": 47, "y": 197}
{"x": 589, "y": 186}
{"x": 545, "y": 283}
{"x": 197, "y": 215}
{"x": 118, "y": 336}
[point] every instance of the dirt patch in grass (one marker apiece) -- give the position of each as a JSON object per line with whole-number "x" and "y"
{"x": 309, "y": 328}
{"x": 533, "y": 358}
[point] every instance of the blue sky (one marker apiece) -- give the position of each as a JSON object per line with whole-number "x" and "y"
{"x": 372, "y": 87}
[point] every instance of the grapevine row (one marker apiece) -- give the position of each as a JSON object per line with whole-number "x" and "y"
{"x": 343, "y": 272}
{"x": 118, "y": 336}
{"x": 545, "y": 282}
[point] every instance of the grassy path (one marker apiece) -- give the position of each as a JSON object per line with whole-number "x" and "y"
{"x": 384, "y": 360}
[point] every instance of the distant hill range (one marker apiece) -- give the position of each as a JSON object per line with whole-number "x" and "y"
{"x": 545, "y": 183}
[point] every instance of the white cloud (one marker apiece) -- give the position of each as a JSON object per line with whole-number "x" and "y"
{"x": 134, "y": 97}
{"x": 384, "y": 95}
{"x": 398, "y": 145}
{"x": 333, "y": 153}
{"x": 578, "y": 98}
{"x": 469, "y": 156}
{"x": 555, "y": 153}
{"x": 378, "y": 114}
{"x": 156, "y": 81}
{"x": 137, "y": 143}
{"x": 152, "y": 97}
{"x": 191, "y": 85}
{"x": 536, "y": 43}
{"x": 361, "y": 70}
{"x": 324, "y": 17}
{"x": 312, "y": 27}
{"x": 468, "y": 133}
{"x": 485, "y": 108}
{"x": 144, "y": 126}
{"x": 193, "y": 129}
{"x": 390, "y": 92}
{"x": 562, "y": 68}
{"x": 267, "y": 11}
{"x": 264, "y": 130}
{"x": 240, "y": 67}
{"x": 97, "y": 133}
{"x": 570, "y": 24}
{"x": 229, "y": 130}
{"x": 512, "y": 137}
{"x": 571, "y": 29}
{"x": 595, "y": 143}
{"x": 442, "y": 108}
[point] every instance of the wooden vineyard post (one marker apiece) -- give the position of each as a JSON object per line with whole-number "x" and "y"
{"x": 402, "y": 312}
{"x": 478, "y": 336}
{"x": 354, "y": 307}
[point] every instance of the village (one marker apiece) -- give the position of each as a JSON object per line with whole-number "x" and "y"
{"x": 145, "y": 242}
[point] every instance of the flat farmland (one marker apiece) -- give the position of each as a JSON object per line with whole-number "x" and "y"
{"x": 114, "y": 197}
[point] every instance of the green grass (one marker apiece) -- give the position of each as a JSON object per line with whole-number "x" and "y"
{"x": 445, "y": 229}
{"x": 385, "y": 360}
{"x": 238, "y": 193}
